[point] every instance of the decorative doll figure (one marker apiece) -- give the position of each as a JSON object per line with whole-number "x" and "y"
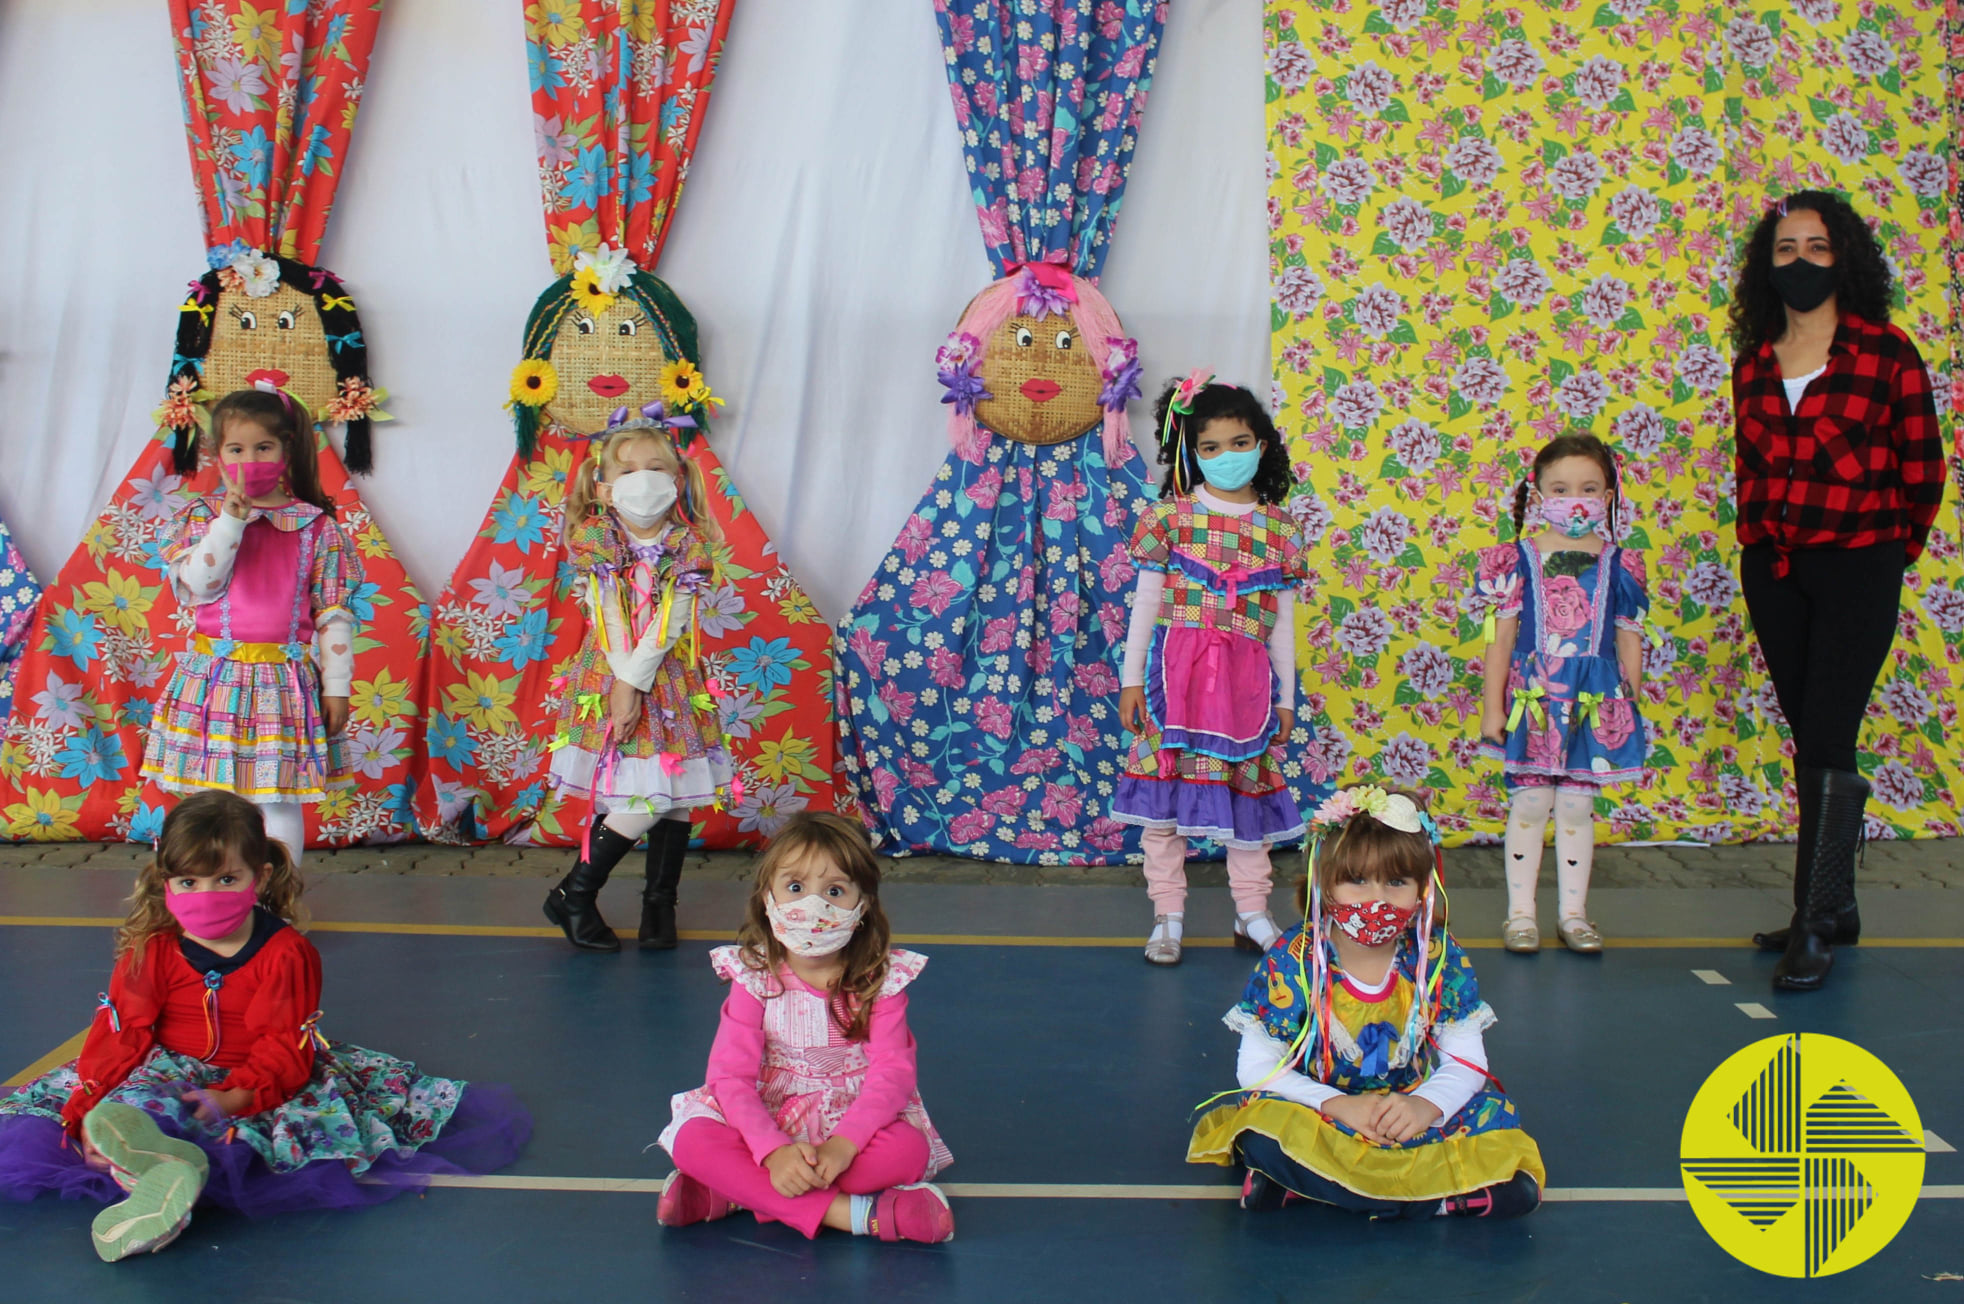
{"x": 1043, "y": 379}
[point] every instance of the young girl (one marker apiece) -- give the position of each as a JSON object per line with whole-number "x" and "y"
{"x": 270, "y": 575}
{"x": 810, "y": 1116}
{"x": 1360, "y": 1042}
{"x": 1209, "y": 682}
{"x": 205, "y": 1070}
{"x": 639, "y": 732}
{"x": 1564, "y": 660}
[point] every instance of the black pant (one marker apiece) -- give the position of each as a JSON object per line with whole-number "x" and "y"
{"x": 1825, "y": 630}
{"x": 1265, "y": 1156}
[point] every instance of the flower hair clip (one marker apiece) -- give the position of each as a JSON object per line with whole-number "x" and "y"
{"x": 1045, "y": 290}
{"x": 955, "y": 365}
{"x": 1394, "y": 810}
{"x": 1121, "y": 375}
{"x": 1178, "y": 408}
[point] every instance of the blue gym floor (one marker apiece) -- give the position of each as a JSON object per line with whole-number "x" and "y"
{"x": 1070, "y": 1063}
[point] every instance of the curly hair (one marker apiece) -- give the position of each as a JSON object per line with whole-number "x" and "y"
{"x": 203, "y": 836}
{"x": 286, "y": 417}
{"x": 824, "y": 836}
{"x": 1274, "y": 478}
{"x": 1555, "y": 450}
{"x": 1863, "y": 283}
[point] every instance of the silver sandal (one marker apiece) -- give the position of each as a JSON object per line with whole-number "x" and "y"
{"x": 1579, "y": 935}
{"x": 1521, "y": 935}
{"x": 1161, "y": 946}
{"x": 1244, "y": 942}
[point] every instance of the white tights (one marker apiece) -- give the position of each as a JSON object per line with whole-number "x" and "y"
{"x": 286, "y": 821}
{"x": 1574, "y": 812}
{"x": 631, "y": 824}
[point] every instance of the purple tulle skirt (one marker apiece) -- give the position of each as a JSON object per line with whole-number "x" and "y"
{"x": 1209, "y": 810}
{"x": 365, "y": 1129}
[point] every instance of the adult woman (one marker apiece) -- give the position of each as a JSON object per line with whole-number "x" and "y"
{"x": 1840, "y": 468}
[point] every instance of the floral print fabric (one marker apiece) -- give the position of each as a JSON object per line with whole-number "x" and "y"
{"x": 1048, "y": 96}
{"x": 1490, "y": 225}
{"x": 18, "y": 592}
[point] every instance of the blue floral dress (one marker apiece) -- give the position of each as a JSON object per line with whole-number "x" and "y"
{"x": 1571, "y": 718}
{"x": 18, "y": 593}
{"x": 1367, "y": 1050}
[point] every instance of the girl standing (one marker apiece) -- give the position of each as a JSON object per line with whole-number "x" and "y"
{"x": 1840, "y": 471}
{"x": 810, "y": 1116}
{"x": 271, "y": 577}
{"x": 1209, "y": 683}
{"x": 1564, "y": 661}
{"x": 1361, "y": 1047}
{"x": 638, "y": 731}
{"x": 205, "y": 1071}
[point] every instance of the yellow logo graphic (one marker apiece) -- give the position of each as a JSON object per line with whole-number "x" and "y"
{"x": 1802, "y": 1155}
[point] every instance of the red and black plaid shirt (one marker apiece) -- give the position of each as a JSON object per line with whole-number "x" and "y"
{"x": 1862, "y": 460}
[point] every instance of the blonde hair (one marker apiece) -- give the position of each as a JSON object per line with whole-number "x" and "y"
{"x": 821, "y": 835}
{"x": 691, "y": 504}
{"x": 202, "y": 835}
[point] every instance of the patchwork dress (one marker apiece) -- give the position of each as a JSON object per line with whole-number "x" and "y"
{"x": 1368, "y": 1048}
{"x": 675, "y": 757}
{"x": 242, "y": 712}
{"x": 1571, "y": 718}
{"x": 323, "y": 1113}
{"x": 811, "y": 1075}
{"x": 1206, "y": 766}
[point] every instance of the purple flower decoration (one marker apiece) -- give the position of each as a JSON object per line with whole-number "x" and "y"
{"x": 1046, "y": 292}
{"x": 1122, "y": 372}
{"x": 954, "y": 366}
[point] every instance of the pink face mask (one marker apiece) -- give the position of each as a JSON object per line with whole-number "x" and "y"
{"x": 257, "y": 479}
{"x": 211, "y": 914}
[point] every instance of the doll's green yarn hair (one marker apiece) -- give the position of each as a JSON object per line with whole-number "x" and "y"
{"x": 674, "y": 325}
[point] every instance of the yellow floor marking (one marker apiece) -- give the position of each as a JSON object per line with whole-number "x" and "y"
{"x": 55, "y": 1058}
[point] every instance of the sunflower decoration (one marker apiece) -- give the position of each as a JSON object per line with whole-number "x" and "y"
{"x": 684, "y": 390}
{"x": 534, "y": 382}
{"x": 587, "y": 291}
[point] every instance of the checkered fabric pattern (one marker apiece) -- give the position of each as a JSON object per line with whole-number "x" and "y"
{"x": 1862, "y": 460}
{"x": 1265, "y": 539}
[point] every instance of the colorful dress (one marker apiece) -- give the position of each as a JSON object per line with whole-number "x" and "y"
{"x": 810, "y": 1075}
{"x": 322, "y": 1113}
{"x": 674, "y": 758}
{"x": 1206, "y": 766}
{"x": 18, "y": 592}
{"x": 243, "y": 710}
{"x": 1368, "y": 1048}
{"x": 1571, "y": 718}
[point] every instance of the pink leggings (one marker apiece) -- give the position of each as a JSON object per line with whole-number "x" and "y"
{"x": 715, "y": 1154}
{"x": 1249, "y": 874}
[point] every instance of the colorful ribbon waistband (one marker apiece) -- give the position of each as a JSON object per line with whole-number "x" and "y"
{"x": 256, "y": 653}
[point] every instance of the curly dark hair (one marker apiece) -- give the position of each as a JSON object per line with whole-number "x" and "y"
{"x": 1863, "y": 287}
{"x": 1274, "y": 477}
{"x": 1555, "y": 450}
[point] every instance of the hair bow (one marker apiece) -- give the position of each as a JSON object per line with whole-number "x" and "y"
{"x": 653, "y": 416}
{"x": 1045, "y": 289}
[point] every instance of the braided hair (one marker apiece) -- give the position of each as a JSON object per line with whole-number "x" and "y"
{"x": 1555, "y": 450}
{"x": 1274, "y": 478}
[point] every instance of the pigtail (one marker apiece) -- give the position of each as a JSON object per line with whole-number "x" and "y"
{"x": 581, "y": 494}
{"x": 1521, "y": 505}
{"x": 693, "y": 504}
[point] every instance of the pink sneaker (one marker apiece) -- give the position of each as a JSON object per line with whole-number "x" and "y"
{"x": 918, "y": 1212}
{"x": 684, "y": 1200}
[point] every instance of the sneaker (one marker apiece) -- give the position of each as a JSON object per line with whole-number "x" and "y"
{"x": 133, "y": 1143}
{"x": 917, "y": 1212}
{"x": 157, "y": 1210}
{"x": 1510, "y": 1199}
{"x": 1259, "y": 1193}
{"x": 685, "y": 1201}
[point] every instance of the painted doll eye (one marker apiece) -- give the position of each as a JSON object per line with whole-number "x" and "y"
{"x": 1064, "y": 341}
{"x": 630, "y": 328}
{"x": 585, "y": 324}
{"x": 248, "y": 321}
{"x": 1024, "y": 339}
{"x": 287, "y": 320}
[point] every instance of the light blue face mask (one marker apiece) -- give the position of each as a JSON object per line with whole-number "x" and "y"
{"x": 1231, "y": 470}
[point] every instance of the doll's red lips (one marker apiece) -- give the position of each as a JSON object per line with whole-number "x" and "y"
{"x": 1039, "y": 390}
{"x": 270, "y": 375}
{"x": 608, "y": 386}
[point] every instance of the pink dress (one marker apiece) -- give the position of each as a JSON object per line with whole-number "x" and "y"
{"x": 810, "y": 1081}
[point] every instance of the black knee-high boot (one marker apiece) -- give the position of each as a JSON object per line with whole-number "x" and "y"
{"x": 1828, "y": 910}
{"x": 668, "y": 846}
{"x": 571, "y": 904}
{"x": 1848, "y": 928}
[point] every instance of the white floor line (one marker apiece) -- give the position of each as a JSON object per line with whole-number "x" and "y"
{"x": 1936, "y": 1145}
{"x": 1711, "y": 977}
{"x": 1754, "y": 1010}
{"x": 1084, "y": 1191}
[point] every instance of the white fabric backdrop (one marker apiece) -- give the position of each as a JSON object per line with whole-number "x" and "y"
{"x": 825, "y": 242}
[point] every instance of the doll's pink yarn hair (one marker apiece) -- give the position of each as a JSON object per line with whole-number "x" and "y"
{"x": 1095, "y": 321}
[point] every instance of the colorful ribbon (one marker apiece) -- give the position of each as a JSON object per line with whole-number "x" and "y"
{"x": 103, "y": 1002}
{"x": 310, "y": 1031}
{"x": 1528, "y": 702}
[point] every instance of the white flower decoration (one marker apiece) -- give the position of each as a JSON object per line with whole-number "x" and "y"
{"x": 611, "y": 267}
{"x": 260, "y": 273}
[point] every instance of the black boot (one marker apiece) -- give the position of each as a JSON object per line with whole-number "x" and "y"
{"x": 1807, "y": 791}
{"x": 571, "y": 904}
{"x": 668, "y": 845}
{"x": 1828, "y": 862}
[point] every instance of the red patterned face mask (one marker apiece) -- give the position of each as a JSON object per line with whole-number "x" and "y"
{"x": 1372, "y": 923}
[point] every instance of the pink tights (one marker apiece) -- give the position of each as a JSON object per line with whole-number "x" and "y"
{"x": 1249, "y": 874}
{"x": 715, "y": 1154}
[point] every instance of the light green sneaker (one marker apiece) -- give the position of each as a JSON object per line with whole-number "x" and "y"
{"x": 133, "y": 1143}
{"x": 158, "y": 1208}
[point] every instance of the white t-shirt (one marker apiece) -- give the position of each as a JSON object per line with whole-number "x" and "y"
{"x": 1797, "y": 385}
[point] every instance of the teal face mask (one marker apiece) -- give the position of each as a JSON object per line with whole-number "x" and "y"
{"x": 1231, "y": 470}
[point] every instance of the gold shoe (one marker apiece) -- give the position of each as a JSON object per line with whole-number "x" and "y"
{"x": 1161, "y": 946}
{"x": 1580, "y": 935}
{"x": 1521, "y": 935}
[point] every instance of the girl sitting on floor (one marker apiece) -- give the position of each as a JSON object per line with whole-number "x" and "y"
{"x": 810, "y": 1116}
{"x": 205, "y": 1071}
{"x": 1361, "y": 1056}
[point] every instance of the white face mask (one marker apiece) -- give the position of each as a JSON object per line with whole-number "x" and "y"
{"x": 643, "y": 497}
{"x": 812, "y": 927}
